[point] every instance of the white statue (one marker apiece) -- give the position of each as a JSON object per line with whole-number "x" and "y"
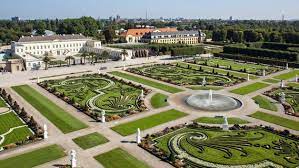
{"x": 45, "y": 131}
{"x": 282, "y": 98}
{"x": 103, "y": 113}
{"x": 225, "y": 124}
{"x": 248, "y": 77}
{"x": 287, "y": 65}
{"x": 38, "y": 79}
{"x": 204, "y": 82}
{"x": 138, "y": 136}
{"x": 99, "y": 72}
{"x": 73, "y": 159}
{"x": 264, "y": 72}
{"x": 282, "y": 85}
{"x": 296, "y": 78}
{"x": 142, "y": 95}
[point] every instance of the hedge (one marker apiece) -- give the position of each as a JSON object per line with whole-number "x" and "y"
{"x": 273, "y": 46}
{"x": 187, "y": 51}
{"x": 259, "y": 52}
{"x": 257, "y": 60}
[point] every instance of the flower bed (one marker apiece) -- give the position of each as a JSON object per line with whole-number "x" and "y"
{"x": 89, "y": 97}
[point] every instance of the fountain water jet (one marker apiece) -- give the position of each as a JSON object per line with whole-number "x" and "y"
{"x": 210, "y": 96}
{"x": 209, "y": 101}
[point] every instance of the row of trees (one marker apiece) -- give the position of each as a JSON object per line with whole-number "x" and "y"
{"x": 88, "y": 26}
{"x": 237, "y": 36}
{"x": 260, "y": 52}
{"x": 92, "y": 57}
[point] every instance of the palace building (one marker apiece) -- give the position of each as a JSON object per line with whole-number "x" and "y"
{"x": 178, "y": 37}
{"x": 31, "y": 49}
{"x": 135, "y": 35}
{"x": 57, "y": 45}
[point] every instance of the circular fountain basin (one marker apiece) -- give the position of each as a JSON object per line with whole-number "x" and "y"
{"x": 219, "y": 102}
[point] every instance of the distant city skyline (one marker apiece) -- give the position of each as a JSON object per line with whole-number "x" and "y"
{"x": 195, "y": 9}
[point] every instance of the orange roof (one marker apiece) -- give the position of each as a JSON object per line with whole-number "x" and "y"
{"x": 141, "y": 32}
{"x": 168, "y": 29}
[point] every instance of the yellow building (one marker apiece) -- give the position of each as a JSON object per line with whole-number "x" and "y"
{"x": 179, "y": 37}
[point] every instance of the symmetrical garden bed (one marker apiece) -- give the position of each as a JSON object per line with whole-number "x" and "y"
{"x": 95, "y": 93}
{"x": 185, "y": 76}
{"x": 239, "y": 66}
{"x": 202, "y": 146}
{"x": 16, "y": 126}
{"x": 290, "y": 105}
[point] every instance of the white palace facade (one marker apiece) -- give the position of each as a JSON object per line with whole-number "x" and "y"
{"x": 33, "y": 48}
{"x": 57, "y": 45}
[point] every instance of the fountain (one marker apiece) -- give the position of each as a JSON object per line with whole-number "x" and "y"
{"x": 210, "y": 96}
{"x": 209, "y": 101}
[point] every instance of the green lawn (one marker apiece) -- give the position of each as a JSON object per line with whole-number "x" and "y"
{"x": 17, "y": 135}
{"x": 276, "y": 120}
{"x": 34, "y": 158}
{"x": 58, "y": 116}
{"x": 219, "y": 120}
{"x": 271, "y": 81}
{"x": 90, "y": 140}
{"x": 293, "y": 84}
{"x": 2, "y": 103}
{"x": 8, "y": 121}
{"x": 250, "y": 88}
{"x": 119, "y": 158}
{"x": 205, "y": 87}
{"x": 148, "y": 122}
{"x": 265, "y": 103}
{"x": 159, "y": 100}
{"x": 288, "y": 75}
{"x": 151, "y": 83}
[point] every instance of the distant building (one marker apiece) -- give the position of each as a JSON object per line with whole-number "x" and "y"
{"x": 230, "y": 18}
{"x": 135, "y": 35}
{"x": 178, "y": 37}
{"x": 15, "y": 19}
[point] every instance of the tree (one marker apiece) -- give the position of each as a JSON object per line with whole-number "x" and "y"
{"x": 109, "y": 34}
{"x": 237, "y": 36}
{"x": 84, "y": 55}
{"x": 105, "y": 55}
{"x": 124, "y": 53}
{"x": 230, "y": 34}
{"x": 252, "y": 36}
{"x": 69, "y": 59}
{"x": 275, "y": 37}
{"x": 219, "y": 35}
{"x": 46, "y": 60}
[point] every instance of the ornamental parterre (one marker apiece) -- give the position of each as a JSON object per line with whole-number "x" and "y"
{"x": 194, "y": 145}
{"x": 95, "y": 93}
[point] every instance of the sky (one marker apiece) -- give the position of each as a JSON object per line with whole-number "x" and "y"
{"x": 197, "y": 9}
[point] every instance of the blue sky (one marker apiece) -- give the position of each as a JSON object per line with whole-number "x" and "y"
{"x": 239, "y": 9}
